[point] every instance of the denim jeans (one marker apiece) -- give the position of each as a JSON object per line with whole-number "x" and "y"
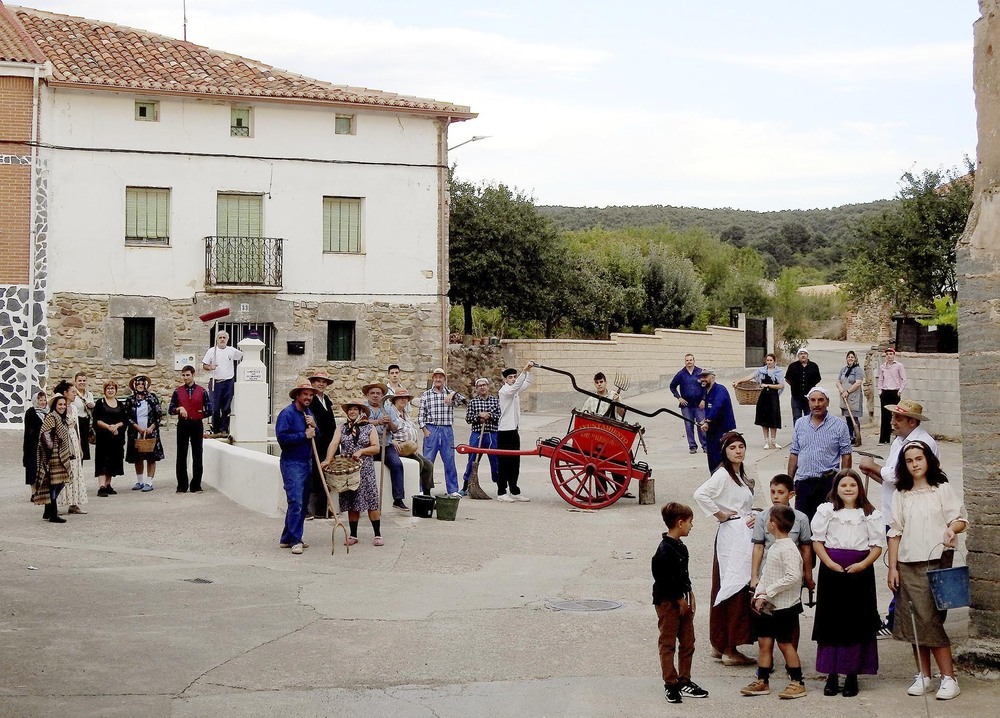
{"x": 395, "y": 467}
{"x": 295, "y": 476}
{"x": 489, "y": 442}
{"x": 695, "y": 413}
{"x": 442, "y": 441}
{"x": 222, "y": 405}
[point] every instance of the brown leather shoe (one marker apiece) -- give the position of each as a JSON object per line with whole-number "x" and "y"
{"x": 75, "y": 510}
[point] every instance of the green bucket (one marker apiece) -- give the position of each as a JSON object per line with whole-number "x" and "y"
{"x": 447, "y": 507}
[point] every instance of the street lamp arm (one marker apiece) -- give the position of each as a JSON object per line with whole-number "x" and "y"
{"x": 475, "y": 138}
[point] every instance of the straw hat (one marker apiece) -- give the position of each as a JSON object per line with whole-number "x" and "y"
{"x": 137, "y": 377}
{"x": 322, "y": 376}
{"x": 359, "y": 403}
{"x": 402, "y": 394}
{"x": 303, "y": 386}
{"x": 375, "y": 385}
{"x": 440, "y": 371}
{"x": 909, "y": 408}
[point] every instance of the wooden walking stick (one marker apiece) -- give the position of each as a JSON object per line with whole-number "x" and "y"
{"x": 329, "y": 503}
{"x": 475, "y": 490}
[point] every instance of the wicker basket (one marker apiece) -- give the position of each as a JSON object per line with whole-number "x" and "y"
{"x": 145, "y": 446}
{"x": 747, "y": 392}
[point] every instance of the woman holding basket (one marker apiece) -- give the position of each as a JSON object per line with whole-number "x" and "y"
{"x": 143, "y": 447}
{"x": 358, "y": 439}
{"x": 772, "y": 382}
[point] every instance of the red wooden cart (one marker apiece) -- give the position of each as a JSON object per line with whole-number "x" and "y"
{"x": 592, "y": 465}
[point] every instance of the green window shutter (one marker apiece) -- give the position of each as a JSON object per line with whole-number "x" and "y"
{"x": 147, "y": 214}
{"x": 341, "y": 224}
{"x": 239, "y": 215}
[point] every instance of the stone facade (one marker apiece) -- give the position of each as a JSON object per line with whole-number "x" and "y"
{"x": 979, "y": 328}
{"x": 87, "y": 335}
{"x": 869, "y": 321}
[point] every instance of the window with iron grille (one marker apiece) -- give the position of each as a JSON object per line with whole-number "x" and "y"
{"x": 340, "y": 341}
{"x": 342, "y": 224}
{"x": 344, "y": 125}
{"x": 139, "y": 338}
{"x": 239, "y": 121}
{"x": 147, "y": 215}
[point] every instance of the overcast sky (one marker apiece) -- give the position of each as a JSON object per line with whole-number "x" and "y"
{"x": 775, "y": 104}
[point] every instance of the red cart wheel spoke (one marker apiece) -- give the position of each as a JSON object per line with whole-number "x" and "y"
{"x": 600, "y": 463}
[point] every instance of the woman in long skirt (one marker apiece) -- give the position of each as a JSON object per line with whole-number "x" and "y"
{"x": 74, "y": 497}
{"x": 54, "y": 459}
{"x": 728, "y": 497}
{"x": 110, "y": 425}
{"x": 768, "y": 413}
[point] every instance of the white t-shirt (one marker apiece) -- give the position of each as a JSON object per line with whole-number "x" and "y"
{"x": 225, "y": 361}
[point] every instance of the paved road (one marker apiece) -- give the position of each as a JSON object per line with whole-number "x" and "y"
{"x": 447, "y": 619}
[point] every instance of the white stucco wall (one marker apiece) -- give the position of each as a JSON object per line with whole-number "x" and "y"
{"x": 87, "y": 215}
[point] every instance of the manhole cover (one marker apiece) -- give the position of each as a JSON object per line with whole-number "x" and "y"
{"x": 196, "y": 580}
{"x": 586, "y": 604}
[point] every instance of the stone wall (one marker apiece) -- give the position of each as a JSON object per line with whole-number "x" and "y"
{"x": 869, "y": 321}
{"x": 650, "y": 360}
{"x": 979, "y": 329}
{"x": 87, "y": 334}
{"x": 933, "y": 380}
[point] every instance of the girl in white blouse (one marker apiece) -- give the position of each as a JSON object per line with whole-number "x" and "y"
{"x": 926, "y": 517}
{"x": 848, "y": 537}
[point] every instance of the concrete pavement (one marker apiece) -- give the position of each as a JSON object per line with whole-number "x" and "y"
{"x": 447, "y": 619}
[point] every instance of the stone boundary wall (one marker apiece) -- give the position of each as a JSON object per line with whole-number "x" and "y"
{"x": 933, "y": 380}
{"x": 650, "y": 360}
{"x": 869, "y": 321}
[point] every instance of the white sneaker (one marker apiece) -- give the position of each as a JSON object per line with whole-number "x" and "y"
{"x": 455, "y": 495}
{"x": 767, "y": 444}
{"x": 505, "y": 498}
{"x": 948, "y": 690}
{"x": 298, "y": 548}
{"x": 775, "y": 445}
{"x": 921, "y": 684}
{"x": 521, "y": 497}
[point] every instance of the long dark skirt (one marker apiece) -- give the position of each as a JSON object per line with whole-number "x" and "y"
{"x": 731, "y": 622}
{"x": 768, "y": 412}
{"x": 847, "y": 620}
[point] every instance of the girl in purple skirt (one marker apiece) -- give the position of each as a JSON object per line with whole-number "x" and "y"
{"x": 848, "y": 537}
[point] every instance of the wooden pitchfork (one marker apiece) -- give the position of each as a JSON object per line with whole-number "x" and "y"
{"x": 329, "y": 503}
{"x": 622, "y": 382}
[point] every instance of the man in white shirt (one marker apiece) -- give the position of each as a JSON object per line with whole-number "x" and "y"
{"x": 220, "y": 361}
{"x": 509, "y": 467}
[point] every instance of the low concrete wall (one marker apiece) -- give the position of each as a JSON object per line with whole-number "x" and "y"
{"x": 253, "y": 478}
{"x": 933, "y": 381}
{"x": 650, "y": 360}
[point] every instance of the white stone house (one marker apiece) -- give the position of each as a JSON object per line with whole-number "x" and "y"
{"x": 167, "y": 180}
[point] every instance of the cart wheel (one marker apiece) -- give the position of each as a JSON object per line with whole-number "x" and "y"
{"x": 591, "y": 468}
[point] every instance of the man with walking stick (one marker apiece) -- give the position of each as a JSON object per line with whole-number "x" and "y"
{"x": 295, "y": 429}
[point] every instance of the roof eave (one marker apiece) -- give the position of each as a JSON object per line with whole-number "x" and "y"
{"x": 455, "y": 113}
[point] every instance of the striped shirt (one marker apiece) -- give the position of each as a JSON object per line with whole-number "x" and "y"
{"x": 483, "y": 405}
{"x": 819, "y": 448}
{"x": 891, "y": 377}
{"x": 434, "y": 411}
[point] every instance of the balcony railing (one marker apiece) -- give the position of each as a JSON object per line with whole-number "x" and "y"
{"x": 243, "y": 262}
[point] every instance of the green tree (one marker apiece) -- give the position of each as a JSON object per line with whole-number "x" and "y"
{"x": 907, "y": 252}
{"x": 674, "y": 293}
{"x": 496, "y": 235}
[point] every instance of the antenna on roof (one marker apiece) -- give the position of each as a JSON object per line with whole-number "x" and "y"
{"x": 185, "y": 5}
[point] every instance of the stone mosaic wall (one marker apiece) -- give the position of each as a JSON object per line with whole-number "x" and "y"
{"x": 23, "y": 331}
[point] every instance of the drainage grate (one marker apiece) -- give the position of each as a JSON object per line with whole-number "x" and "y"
{"x": 586, "y": 604}
{"x": 196, "y": 580}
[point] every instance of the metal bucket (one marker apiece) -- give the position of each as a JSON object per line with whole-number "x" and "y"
{"x": 950, "y": 587}
{"x": 423, "y": 506}
{"x": 447, "y": 507}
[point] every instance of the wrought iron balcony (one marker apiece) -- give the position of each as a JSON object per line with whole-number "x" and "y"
{"x": 243, "y": 262}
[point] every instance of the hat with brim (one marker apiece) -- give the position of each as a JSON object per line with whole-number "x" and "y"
{"x": 137, "y": 377}
{"x": 707, "y": 370}
{"x": 375, "y": 385}
{"x": 359, "y": 403}
{"x": 322, "y": 376}
{"x": 440, "y": 371}
{"x": 304, "y": 386}
{"x": 912, "y": 409}
{"x": 401, "y": 394}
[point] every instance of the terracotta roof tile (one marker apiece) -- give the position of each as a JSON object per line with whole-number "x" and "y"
{"x": 15, "y": 45}
{"x": 93, "y": 52}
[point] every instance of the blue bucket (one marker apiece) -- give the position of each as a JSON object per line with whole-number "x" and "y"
{"x": 950, "y": 587}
